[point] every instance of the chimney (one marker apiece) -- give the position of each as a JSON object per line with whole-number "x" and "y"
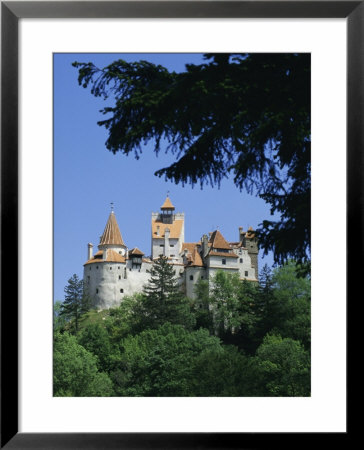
{"x": 89, "y": 251}
{"x": 205, "y": 246}
{"x": 184, "y": 256}
{"x": 240, "y": 233}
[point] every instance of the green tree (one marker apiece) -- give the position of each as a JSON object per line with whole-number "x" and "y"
{"x": 161, "y": 362}
{"x": 264, "y": 305}
{"x": 232, "y": 306}
{"x": 95, "y": 339}
{"x": 201, "y": 306}
{"x": 282, "y": 368}
{"x": 125, "y": 319}
{"x": 59, "y": 321}
{"x": 222, "y": 372}
{"x": 163, "y": 300}
{"x": 247, "y": 115}
{"x": 75, "y": 372}
{"x": 76, "y": 301}
{"x": 225, "y": 302}
{"x": 291, "y": 304}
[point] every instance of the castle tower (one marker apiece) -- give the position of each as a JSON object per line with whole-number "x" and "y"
{"x": 111, "y": 237}
{"x": 250, "y": 242}
{"x": 167, "y": 232}
{"x": 104, "y": 271}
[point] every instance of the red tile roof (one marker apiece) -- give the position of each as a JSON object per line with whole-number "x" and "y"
{"x": 218, "y": 241}
{"x": 167, "y": 204}
{"x": 225, "y": 255}
{"x": 111, "y": 256}
{"x": 136, "y": 251}
{"x": 111, "y": 234}
{"x": 193, "y": 254}
{"x": 196, "y": 258}
{"x": 175, "y": 229}
{"x": 190, "y": 246}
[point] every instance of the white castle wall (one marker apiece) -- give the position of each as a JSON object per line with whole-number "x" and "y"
{"x": 164, "y": 247}
{"x": 245, "y": 265}
{"x": 197, "y": 273}
{"x": 109, "y": 282}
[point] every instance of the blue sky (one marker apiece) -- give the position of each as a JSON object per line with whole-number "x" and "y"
{"x": 87, "y": 178}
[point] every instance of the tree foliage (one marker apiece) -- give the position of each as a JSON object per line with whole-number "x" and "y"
{"x": 283, "y": 368}
{"x": 248, "y": 339}
{"x": 76, "y": 301}
{"x": 163, "y": 300}
{"x": 59, "y": 321}
{"x": 95, "y": 339}
{"x": 75, "y": 372}
{"x": 161, "y": 362}
{"x": 244, "y": 115}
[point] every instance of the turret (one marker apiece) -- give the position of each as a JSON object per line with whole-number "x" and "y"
{"x": 111, "y": 237}
{"x": 167, "y": 211}
{"x": 250, "y": 241}
{"x": 167, "y": 232}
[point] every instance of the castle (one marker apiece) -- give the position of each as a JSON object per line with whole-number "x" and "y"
{"x": 115, "y": 271}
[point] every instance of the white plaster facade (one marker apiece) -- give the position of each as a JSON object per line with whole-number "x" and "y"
{"x": 115, "y": 271}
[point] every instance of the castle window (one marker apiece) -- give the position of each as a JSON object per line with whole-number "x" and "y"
{"x": 246, "y": 273}
{"x": 172, "y": 245}
{"x": 97, "y": 267}
{"x": 241, "y": 260}
{"x": 119, "y": 253}
{"x": 88, "y": 278}
{"x": 110, "y": 268}
{"x": 90, "y": 267}
{"x": 173, "y": 255}
{"x": 191, "y": 277}
{"x": 97, "y": 291}
{"x": 201, "y": 277}
{"x": 121, "y": 291}
{"x": 161, "y": 245}
{"x": 119, "y": 277}
{"x": 223, "y": 261}
{"x": 119, "y": 267}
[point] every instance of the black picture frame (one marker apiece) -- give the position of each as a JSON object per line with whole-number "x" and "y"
{"x": 11, "y": 12}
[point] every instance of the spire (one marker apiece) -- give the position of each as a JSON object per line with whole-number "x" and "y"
{"x": 111, "y": 234}
{"x": 167, "y": 203}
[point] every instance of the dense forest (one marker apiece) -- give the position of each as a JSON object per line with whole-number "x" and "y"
{"x": 236, "y": 338}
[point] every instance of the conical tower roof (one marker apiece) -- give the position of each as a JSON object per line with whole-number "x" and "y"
{"x": 167, "y": 204}
{"x": 111, "y": 234}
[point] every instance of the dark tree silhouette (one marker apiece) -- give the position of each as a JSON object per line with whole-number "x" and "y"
{"x": 245, "y": 115}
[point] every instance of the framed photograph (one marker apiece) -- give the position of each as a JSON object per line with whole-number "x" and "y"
{"x": 56, "y": 197}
